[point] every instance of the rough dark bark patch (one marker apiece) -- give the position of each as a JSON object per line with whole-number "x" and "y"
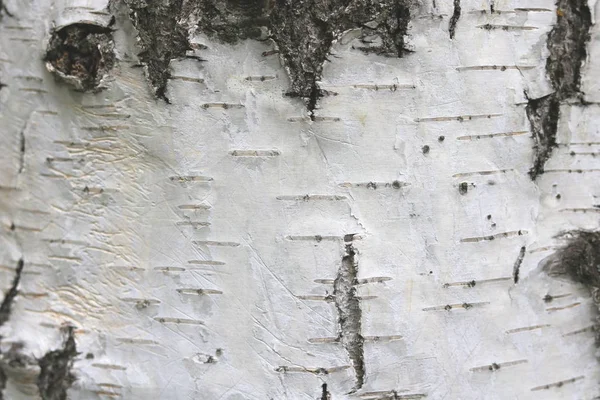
{"x": 230, "y": 20}
{"x": 349, "y": 312}
{"x": 55, "y": 370}
{"x": 81, "y": 54}
{"x": 11, "y": 294}
{"x": 567, "y": 46}
{"x": 161, "y": 37}
{"x": 579, "y": 261}
{"x": 454, "y": 19}
{"x": 303, "y": 30}
{"x": 543, "y": 116}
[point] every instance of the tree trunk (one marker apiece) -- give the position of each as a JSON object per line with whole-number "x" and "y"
{"x": 299, "y": 199}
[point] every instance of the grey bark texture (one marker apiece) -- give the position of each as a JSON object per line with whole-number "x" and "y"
{"x": 299, "y": 199}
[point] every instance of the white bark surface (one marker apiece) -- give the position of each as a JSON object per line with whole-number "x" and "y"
{"x": 120, "y": 203}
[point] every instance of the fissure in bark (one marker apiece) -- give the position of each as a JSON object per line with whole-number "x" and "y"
{"x": 347, "y": 304}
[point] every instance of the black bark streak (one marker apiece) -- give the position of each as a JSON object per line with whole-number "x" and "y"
{"x": 349, "y": 312}
{"x": 325, "y": 395}
{"x": 454, "y": 19}
{"x": 3, "y": 379}
{"x": 4, "y": 10}
{"x": 5, "y": 309}
{"x": 21, "y": 150}
{"x": 9, "y": 297}
{"x": 567, "y": 46}
{"x": 55, "y": 370}
{"x": 517, "y": 265}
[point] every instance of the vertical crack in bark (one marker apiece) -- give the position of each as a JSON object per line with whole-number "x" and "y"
{"x": 517, "y": 265}
{"x": 454, "y": 19}
{"x": 579, "y": 261}
{"x": 567, "y": 46}
{"x": 9, "y": 297}
{"x": 349, "y": 312}
{"x": 55, "y": 370}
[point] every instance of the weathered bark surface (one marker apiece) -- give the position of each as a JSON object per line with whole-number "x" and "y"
{"x": 300, "y": 199}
